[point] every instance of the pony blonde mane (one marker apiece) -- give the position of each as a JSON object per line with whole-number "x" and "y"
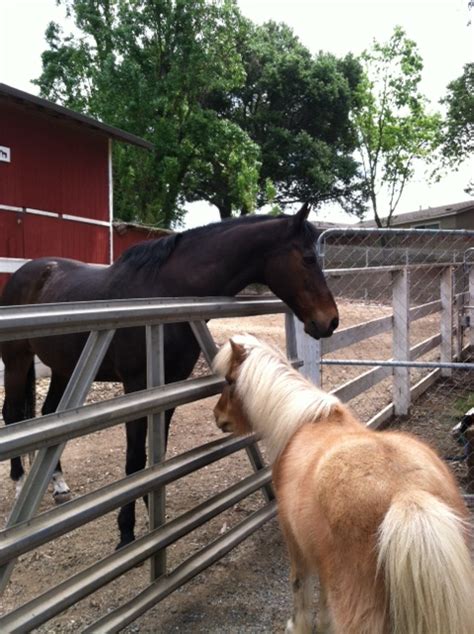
{"x": 276, "y": 398}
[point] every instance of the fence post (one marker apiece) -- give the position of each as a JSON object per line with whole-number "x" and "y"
{"x": 446, "y": 319}
{"x": 155, "y": 376}
{"x": 471, "y": 310}
{"x": 401, "y": 340}
{"x": 458, "y": 307}
{"x": 308, "y": 350}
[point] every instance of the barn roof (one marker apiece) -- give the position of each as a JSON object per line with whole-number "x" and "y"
{"x": 54, "y": 110}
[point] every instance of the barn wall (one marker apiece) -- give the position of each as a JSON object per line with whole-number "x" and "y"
{"x": 55, "y": 166}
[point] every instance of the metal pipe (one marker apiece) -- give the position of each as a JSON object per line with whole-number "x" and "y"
{"x": 155, "y": 376}
{"x": 22, "y": 323}
{"x": 46, "y": 460}
{"x": 205, "y": 340}
{"x": 398, "y": 364}
{"x": 35, "y": 433}
{"x": 21, "y": 538}
{"x": 120, "y": 618}
{"x": 62, "y": 596}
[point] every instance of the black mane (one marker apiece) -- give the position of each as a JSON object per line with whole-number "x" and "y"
{"x": 155, "y": 252}
{"x": 149, "y": 253}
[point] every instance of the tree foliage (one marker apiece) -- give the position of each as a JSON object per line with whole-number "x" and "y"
{"x": 458, "y": 140}
{"x": 296, "y": 107}
{"x": 148, "y": 66}
{"x": 395, "y": 131}
{"x": 240, "y": 115}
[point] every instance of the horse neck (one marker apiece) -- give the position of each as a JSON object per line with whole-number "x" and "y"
{"x": 224, "y": 262}
{"x": 278, "y": 401}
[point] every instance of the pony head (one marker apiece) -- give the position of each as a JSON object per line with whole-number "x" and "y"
{"x": 265, "y": 394}
{"x": 229, "y": 412}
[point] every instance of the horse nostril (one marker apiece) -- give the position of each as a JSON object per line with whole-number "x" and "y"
{"x": 334, "y": 323}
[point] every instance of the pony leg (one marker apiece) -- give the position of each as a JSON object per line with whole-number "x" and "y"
{"x": 61, "y": 491}
{"x": 19, "y": 403}
{"x": 303, "y": 590}
{"x": 323, "y": 620}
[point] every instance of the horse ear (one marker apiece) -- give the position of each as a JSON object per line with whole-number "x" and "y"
{"x": 301, "y": 216}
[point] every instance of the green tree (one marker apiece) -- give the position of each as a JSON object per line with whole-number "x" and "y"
{"x": 395, "y": 131}
{"x": 296, "y": 108}
{"x": 458, "y": 139}
{"x": 148, "y": 66}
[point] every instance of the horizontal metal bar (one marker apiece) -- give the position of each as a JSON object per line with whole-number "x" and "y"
{"x": 347, "y": 231}
{"x": 23, "y": 537}
{"x": 399, "y": 364}
{"x": 79, "y": 586}
{"x": 35, "y": 433}
{"x": 392, "y": 268}
{"x": 388, "y": 411}
{"x": 117, "y": 620}
{"x": 363, "y": 382}
{"x": 30, "y": 323}
{"x": 72, "y": 307}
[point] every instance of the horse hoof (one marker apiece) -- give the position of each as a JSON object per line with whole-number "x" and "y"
{"x": 62, "y": 497}
{"x": 126, "y": 539}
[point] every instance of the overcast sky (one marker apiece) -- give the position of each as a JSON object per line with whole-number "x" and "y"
{"x": 439, "y": 27}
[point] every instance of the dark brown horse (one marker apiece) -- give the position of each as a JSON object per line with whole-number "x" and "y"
{"x": 219, "y": 260}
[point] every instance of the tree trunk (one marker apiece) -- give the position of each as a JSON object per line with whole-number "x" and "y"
{"x": 225, "y": 208}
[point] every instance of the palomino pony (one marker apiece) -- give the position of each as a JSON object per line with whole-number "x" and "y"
{"x": 377, "y": 515}
{"x": 216, "y": 260}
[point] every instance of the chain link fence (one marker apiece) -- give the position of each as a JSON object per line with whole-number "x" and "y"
{"x": 403, "y": 355}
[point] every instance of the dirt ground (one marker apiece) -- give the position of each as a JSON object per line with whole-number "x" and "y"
{"x": 247, "y": 591}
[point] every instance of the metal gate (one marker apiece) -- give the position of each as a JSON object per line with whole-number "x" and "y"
{"x": 47, "y": 435}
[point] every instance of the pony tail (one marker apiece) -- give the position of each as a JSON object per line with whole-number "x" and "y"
{"x": 429, "y": 578}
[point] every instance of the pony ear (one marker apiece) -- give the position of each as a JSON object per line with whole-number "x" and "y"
{"x": 301, "y": 216}
{"x": 238, "y": 351}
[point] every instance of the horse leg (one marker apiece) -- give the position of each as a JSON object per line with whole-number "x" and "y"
{"x": 135, "y": 460}
{"x": 19, "y": 403}
{"x": 136, "y": 432}
{"x": 61, "y": 491}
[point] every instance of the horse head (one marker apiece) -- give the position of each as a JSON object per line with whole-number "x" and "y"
{"x": 293, "y": 274}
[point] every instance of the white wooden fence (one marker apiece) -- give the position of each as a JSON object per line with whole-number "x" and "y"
{"x": 449, "y": 340}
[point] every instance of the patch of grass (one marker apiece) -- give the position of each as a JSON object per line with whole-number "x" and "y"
{"x": 462, "y": 405}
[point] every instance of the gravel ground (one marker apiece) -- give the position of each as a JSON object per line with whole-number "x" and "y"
{"x": 247, "y": 591}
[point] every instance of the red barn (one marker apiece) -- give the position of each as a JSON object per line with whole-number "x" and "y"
{"x": 55, "y": 181}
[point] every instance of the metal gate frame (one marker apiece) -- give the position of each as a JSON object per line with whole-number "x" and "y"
{"x": 48, "y": 435}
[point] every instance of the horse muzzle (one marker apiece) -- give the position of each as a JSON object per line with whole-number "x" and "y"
{"x": 317, "y": 330}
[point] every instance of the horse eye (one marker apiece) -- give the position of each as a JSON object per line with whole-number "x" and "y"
{"x": 309, "y": 259}
{"x": 229, "y": 381}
